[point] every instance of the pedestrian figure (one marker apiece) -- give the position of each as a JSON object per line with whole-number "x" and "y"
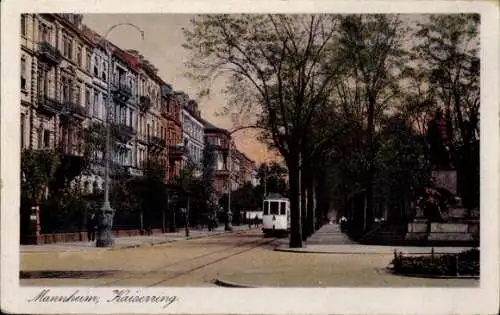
{"x": 209, "y": 223}
{"x": 256, "y": 221}
{"x": 343, "y": 223}
{"x": 91, "y": 225}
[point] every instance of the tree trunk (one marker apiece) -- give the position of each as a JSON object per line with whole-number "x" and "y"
{"x": 294, "y": 192}
{"x": 371, "y": 156}
{"x": 141, "y": 222}
{"x": 310, "y": 205}
{"x": 303, "y": 202}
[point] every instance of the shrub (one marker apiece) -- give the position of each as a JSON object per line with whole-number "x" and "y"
{"x": 465, "y": 264}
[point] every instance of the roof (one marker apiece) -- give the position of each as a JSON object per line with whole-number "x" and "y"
{"x": 131, "y": 61}
{"x": 166, "y": 90}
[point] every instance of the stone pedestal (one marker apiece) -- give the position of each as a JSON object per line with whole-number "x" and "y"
{"x": 34, "y": 226}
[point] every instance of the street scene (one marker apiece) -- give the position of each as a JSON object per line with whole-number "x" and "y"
{"x": 242, "y": 151}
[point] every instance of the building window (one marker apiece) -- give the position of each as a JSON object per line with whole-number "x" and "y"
{"x": 123, "y": 118}
{"x": 78, "y": 97}
{"x": 96, "y": 104}
{"x": 43, "y": 33}
{"x": 23, "y": 24}
{"x": 87, "y": 99}
{"x": 67, "y": 46}
{"x": 66, "y": 85}
{"x": 46, "y": 139}
{"x": 104, "y": 71}
{"x": 88, "y": 61}
{"x": 104, "y": 107}
{"x": 23, "y": 73}
{"x": 79, "y": 55}
{"x": 96, "y": 69}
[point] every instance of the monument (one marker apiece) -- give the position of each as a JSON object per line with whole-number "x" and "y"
{"x": 439, "y": 214}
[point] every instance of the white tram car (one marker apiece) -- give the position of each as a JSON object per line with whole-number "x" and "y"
{"x": 276, "y": 215}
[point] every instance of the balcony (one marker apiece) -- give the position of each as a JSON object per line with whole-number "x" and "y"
{"x": 122, "y": 132}
{"x": 49, "y": 53}
{"x": 75, "y": 110}
{"x": 49, "y": 105}
{"x": 145, "y": 103}
{"x": 176, "y": 153}
{"x": 122, "y": 92}
{"x": 157, "y": 142}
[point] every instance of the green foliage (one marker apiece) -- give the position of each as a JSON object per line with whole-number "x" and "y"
{"x": 37, "y": 170}
{"x": 64, "y": 211}
{"x": 449, "y": 57}
{"x": 465, "y": 263}
{"x": 246, "y": 198}
{"x": 272, "y": 176}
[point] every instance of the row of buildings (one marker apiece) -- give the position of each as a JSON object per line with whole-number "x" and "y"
{"x": 65, "y": 77}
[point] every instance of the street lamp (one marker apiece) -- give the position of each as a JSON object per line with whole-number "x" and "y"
{"x": 104, "y": 235}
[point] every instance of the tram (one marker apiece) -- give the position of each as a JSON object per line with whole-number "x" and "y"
{"x": 276, "y": 215}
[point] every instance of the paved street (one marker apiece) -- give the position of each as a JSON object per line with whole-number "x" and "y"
{"x": 245, "y": 258}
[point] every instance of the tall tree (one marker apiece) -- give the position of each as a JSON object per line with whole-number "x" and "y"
{"x": 272, "y": 62}
{"x": 371, "y": 46}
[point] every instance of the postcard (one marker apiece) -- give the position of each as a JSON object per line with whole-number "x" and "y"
{"x": 277, "y": 157}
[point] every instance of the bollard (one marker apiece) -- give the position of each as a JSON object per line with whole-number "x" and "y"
{"x": 456, "y": 266}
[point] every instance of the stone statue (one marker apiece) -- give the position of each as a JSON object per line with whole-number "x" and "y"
{"x": 438, "y": 137}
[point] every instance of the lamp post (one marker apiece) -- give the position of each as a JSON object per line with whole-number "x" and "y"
{"x": 105, "y": 224}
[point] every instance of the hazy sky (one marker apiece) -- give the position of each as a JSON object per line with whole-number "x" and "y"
{"x": 162, "y": 46}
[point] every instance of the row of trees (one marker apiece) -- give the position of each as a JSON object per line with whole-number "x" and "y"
{"x": 346, "y": 99}
{"x": 57, "y": 184}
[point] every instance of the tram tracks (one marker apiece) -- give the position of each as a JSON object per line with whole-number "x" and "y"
{"x": 186, "y": 266}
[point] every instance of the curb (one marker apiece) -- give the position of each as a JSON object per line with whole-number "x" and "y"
{"x": 299, "y": 251}
{"x": 229, "y": 284}
{"x": 413, "y": 275}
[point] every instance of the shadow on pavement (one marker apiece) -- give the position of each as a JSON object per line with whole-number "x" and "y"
{"x": 67, "y": 274}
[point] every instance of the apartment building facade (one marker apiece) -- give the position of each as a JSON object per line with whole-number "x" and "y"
{"x": 219, "y": 139}
{"x": 65, "y": 75}
{"x": 171, "y": 113}
{"x": 193, "y": 134}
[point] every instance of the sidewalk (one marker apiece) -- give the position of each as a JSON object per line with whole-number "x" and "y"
{"x": 130, "y": 241}
{"x": 330, "y": 240}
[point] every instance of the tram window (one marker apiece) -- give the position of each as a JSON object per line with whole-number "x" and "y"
{"x": 266, "y": 207}
{"x": 275, "y": 207}
{"x": 283, "y": 208}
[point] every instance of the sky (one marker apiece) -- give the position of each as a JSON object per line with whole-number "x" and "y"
{"x": 162, "y": 46}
